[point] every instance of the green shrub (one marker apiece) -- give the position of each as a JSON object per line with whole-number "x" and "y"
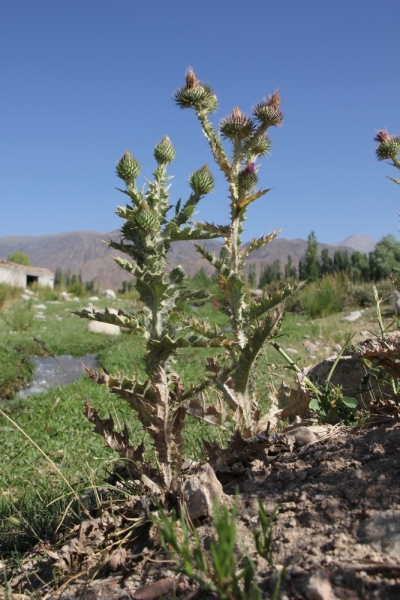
{"x": 326, "y": 296}
{"x": 19, "y": 258}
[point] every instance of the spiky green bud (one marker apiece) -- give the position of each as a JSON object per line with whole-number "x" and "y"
{"x": 177, "y": 275}
{"x": 268, "y": 111}
{"x": 202, "y": 181}
{"x": 247, "y": 178}
{"x": 164, "y": 152}
{"x": 237, "y": 126}
{"x": 388, "y": 148}
{"x": 194, "y": 94}
{"x": 144, "y": 217}
{"x": 261, "y": 145}
{"x": 128, "y": 168}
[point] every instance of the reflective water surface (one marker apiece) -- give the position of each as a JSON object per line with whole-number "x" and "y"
{"x": 51, "y": 372}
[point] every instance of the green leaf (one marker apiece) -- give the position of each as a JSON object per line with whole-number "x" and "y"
{"x": 314, "y": 404}
{"x": 350, "y": 402}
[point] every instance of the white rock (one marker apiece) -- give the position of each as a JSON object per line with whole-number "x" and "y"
{"x": 352, "y": 316}
{"x": 291, "y": 351}
{"x": 107, "y": 328}
{"x": 256, "y": 293}
{"x": 319, "y": 587}
{"x": 93, "y": 298}
{"x": 76, "y": 299}
{"x": 39, "y": 306}
{"x": 109, "y": 294}
{"x": 199, "y": 492}
{"x": 29, "y": 292}
{"x": 337, "y": 348}
{"x": 25, "y": 297}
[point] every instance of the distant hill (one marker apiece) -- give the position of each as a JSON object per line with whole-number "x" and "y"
{"x": 83, "y": 251}
{"x": 362, "y": 243}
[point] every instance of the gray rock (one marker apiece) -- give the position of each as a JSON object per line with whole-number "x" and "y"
{"x": 109, "y": 294}
{"x": 39, "y": 306}
{"x": 199, "y": 492}
{"x": 291, "y": 351}
{"x": 93, "y": 298}
{"x": 29, "y": 292}
{"x": 382, "y": 532}
{"x": 25, "y": 297}
{"x": 107, "y": 328}
{"x": 352, "y": 316}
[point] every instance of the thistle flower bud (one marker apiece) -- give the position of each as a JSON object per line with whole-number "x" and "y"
{"x": 144, "y": 217}
{"x": 164, "y": 152}
{"x": 195, "y": 94}
{"x": 389, "y": 145}
{"x": 237, "y": 125}
{"x": 261, "y": 145}
{"x": 202, "y": 181}
{"x": 177, "y": 275}
{"x": 247, "y": 178}
{"x": 268, "y": 111}
{"x": 128, "y": 168}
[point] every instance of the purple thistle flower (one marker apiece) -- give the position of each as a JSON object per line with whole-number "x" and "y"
{"x": 382, "y": 136}
{"x": 250, "y": 169}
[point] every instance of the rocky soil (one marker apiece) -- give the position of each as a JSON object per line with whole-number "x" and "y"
{"x": 337, "y": 530}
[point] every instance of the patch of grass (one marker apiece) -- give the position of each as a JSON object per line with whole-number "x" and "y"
{"x": 8, "y": 294}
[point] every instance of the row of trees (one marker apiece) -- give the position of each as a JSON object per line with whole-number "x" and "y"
{"x": 358, "y": 267}
{"x": 71, "y": 280}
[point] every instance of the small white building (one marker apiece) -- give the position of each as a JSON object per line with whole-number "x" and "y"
{"x": 23, "y": 276}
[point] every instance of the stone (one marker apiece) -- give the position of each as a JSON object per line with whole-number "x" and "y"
{"x": 39, "y": 306}
{"x": 109, "y": 294}
{"x": 352, "y": 316}
{"x": 29, "y": 292}
{"x": 25, "y": 297}
{"x": 93, "y": 298}
{"x": 256, "y": 293}
{"x": 157, "y": 589}
{"x": 319, "y": 587}
{"x": 382, "y": 532}
{"x": 200, "y": 491}
{"x": 291, "y": 351}
{"x": 309, "y": 346}
{"x": 107, "y": 328}
{"x": 307, "y": 435}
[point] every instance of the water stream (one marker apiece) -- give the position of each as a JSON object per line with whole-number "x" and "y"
{"x": 51, "y": 372}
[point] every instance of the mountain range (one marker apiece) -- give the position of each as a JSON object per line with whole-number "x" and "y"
{"x": 84, "y": 251}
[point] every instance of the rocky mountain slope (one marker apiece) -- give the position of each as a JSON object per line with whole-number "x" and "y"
{"x": 83, "y": 251}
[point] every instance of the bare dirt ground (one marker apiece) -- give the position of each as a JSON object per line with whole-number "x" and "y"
{"x": 337, "y": 529}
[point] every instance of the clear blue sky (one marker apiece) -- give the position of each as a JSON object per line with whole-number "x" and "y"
{"x": 83, "y": 80}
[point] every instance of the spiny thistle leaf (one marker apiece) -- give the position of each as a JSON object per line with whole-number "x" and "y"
{"x": 220, "y": 230}
{"x": 257, "y": 243}
{"x": 249, "y": 199}
{"x": 267, "y": 302}
{"x": 203, "y": 411}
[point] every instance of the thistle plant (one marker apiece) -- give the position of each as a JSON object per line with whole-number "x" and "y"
{"x": 161, "y": 402}
{"x": 256, "y": 323}
{"x": 388, "y": 149}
